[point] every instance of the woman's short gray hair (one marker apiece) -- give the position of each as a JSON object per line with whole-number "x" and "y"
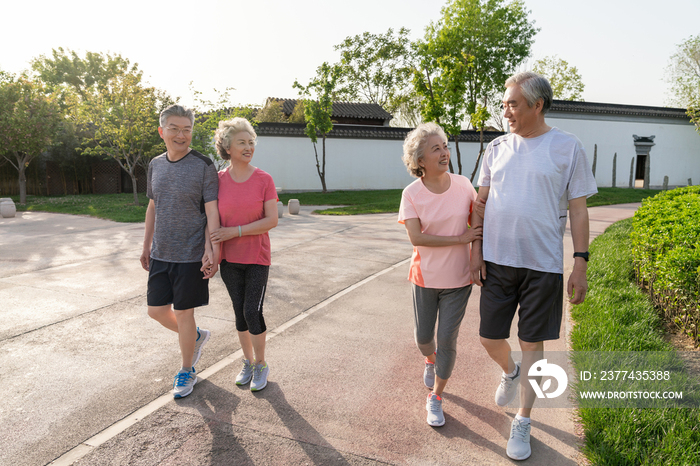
{"x": 227, "y": 129}
{"x": 534, "y": 87}
{"x": 177, "y": 111}
{"x": 413, "y": 146}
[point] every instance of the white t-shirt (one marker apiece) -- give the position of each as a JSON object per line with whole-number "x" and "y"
{"x": 445, "y": 214}
{"x": 531, "y": 181}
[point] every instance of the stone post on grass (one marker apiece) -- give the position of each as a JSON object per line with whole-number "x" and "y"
{"x": 614, "y": 180}
{"x": 632, "y": 174}
{"x": 690, "y": 182}
{"x": 665, "y": 183}
{"x": 595, "y": 158}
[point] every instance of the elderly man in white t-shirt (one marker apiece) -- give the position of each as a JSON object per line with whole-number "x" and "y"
{"x": 528, "y": 177}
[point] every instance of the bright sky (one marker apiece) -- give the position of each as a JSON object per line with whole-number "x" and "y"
{"x": 259, "y": 47}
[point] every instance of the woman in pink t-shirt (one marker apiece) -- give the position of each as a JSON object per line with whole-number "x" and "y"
{"x": 248, "y": 210}
{"x": 435, "y": 210}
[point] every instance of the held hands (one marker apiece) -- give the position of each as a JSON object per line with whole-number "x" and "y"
{"x": 209, "y": 264}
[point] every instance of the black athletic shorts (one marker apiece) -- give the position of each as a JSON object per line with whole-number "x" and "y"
{"x": 539, "y": 294}
{"x": 180, "y": 284}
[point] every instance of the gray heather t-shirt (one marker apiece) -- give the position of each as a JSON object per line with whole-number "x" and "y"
{"x": 180, "y": 190}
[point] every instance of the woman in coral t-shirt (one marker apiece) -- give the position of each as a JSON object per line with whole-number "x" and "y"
{"x": 248, "y": 210}
{"x": 435, "y": 210}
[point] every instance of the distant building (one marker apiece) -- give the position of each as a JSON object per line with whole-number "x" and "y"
{"x": 661, "y": 136}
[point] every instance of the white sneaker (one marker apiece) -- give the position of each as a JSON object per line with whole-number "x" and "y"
{"x": 184, "y": 383}
{"x": 245, "y": 374}
{"x": 202, "y": 339}
{"x": 433, "y": 405}
{"x": 519, "y": 442}
{"x": 506, "y": 391}
{"x": 429, "y": 374}
{"x": 260, "y": 374}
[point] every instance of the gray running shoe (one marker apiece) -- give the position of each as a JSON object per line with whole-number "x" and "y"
{"x": 245, "y": 374}
{"x": 429, "y": 374}
{"x": 433, "y": 405}
{"x": 184, "y": 383}
{"x": 508, "y": 388}
{"x": 519, "y": 442}
{"x": 260, "y": 373}
{"x": 202, "y": 339}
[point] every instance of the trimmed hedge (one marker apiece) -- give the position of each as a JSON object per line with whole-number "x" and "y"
{"x": 666, "y": 254}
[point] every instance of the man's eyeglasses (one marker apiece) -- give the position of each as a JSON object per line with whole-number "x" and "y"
{"x": 174, "y": 130}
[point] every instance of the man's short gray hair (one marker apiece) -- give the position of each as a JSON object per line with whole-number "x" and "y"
{"x": 177, "y": 111}
{"x": 413, "y": 146}
{"x": 534, "y": 87}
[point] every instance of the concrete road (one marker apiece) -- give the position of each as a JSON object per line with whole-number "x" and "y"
{"x": 87, "y": 374}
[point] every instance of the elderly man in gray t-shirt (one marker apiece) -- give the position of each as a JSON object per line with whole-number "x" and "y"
{"x": 183, "y": 188}
{"x": 529, "y": 176}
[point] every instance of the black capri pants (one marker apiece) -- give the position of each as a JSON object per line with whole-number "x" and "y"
{"x": 246, "y": 284}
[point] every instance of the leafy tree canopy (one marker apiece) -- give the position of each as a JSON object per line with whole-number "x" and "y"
{"x": 683, "y": 73}
{"x": 565, "y": 80}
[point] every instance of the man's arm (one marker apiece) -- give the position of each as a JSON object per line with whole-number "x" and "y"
{"x": 477, "y": 265}
{"x": 578, "y": 284}
{"x": 148, "y": 236}
{"x": 211, "y": 265}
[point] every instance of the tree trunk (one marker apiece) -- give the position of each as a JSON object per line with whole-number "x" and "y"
{"x": 132, "y": 174}
{"x": 22, "y": 184}
{"x": 323, "y": 171}
{"x": 459, "y": 156}
{"x": 481, "y": 152}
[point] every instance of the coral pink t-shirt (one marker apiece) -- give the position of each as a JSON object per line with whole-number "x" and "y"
{"x": 445, "y": 214}
{"x": 241, "y": 204}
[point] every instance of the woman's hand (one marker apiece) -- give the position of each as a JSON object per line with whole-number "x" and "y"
{"x": 471, "y": 234}
{"x": 223, "y": 234}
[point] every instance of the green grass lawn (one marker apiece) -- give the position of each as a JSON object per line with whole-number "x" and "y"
{"x": 120, "y": 208}
{"x": 618, "y": 316}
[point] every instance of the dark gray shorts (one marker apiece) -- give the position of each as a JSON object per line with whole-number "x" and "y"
{"x": 539, "y": 294}
{"x": 181, "y": 284}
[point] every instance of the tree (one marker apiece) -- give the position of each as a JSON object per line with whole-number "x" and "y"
{"x": 29, "y": 119}
{"x": 65, "y": 72}
{"x": 683, "y": 73}
{"x": 318, "y": 108}
{"x": 565, "y": 80}
{"x": 209, "y": 114}
{"x": 271, "y": 112}
{"x": 376, "y": 68}
{"x": 481, "y": 42}
{"x": 124, "y": 115}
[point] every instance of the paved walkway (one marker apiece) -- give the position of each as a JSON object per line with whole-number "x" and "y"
{"x": 87, "y": 374}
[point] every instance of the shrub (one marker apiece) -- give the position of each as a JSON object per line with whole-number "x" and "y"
{"x": 666, "y": 255}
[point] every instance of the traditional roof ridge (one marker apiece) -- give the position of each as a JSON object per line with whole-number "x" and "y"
{"x": 573, "y": 106}
{"x": 361, "y": 131}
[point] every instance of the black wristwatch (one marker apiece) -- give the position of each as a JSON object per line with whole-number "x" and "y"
{"x": 581, "y": 254}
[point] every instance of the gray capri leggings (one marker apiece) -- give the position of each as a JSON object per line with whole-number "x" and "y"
{"x": 450, "y": 305}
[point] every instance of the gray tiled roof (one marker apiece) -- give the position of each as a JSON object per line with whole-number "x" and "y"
{"x": 360, "y": 132}
{"x": 344, "y": 109}
{"x": 568, "y": 106}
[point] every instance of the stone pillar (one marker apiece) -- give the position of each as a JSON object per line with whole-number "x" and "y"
{"x": 665, "y": 183}
{"x": 632, "y": 174}
{"x": 614, "y": 180}
{"x": 595, "y": 158}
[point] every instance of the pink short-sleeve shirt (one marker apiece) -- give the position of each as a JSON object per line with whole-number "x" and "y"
{"x": 445, "y": 214}
{"x": 241, "y": 204}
